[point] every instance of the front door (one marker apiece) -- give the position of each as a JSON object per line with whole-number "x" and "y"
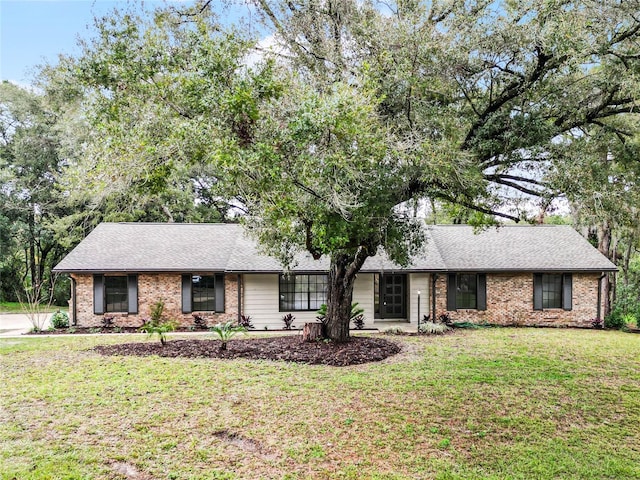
{"x": 393, "y": 293}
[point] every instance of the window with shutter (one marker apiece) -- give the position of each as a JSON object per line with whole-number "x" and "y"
{"x": 467, "y": 291}
{"x": 203, "y": 293}
{"x": 116, "y": 293}
{"x": 552, "y": 290}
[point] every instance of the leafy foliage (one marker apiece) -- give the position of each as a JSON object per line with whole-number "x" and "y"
{"x": 160, "y": 329}
{"x": 107, "y": 321}
{"x": 432, "y": 328}
{"x": 60, "y": 320}
{"x": 199, "y": 322}
{"x": 615, "y": 320}
{"x": 288, "y": 321}
{"x": 245, "y": 321}
{"x": 358, "y": 321}
{"x": 370, "y": 108}
{"x": 445, "y": 318}
{"x": 356, "y": 315}
{"x": 226, "y": 331}
{"x": 156, "y": 325}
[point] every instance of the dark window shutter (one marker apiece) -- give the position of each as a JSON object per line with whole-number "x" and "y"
{"x": 98, "y": 294}
{"x": 186, "y": 293}
{"x": 451, "y": 292}
{"x": 132, "y": 293}
{"x": 537, "y": 291}
{"x": 567, "y": 291}
{"x": 482, "y": 291}
{"x": 219, "y": 292}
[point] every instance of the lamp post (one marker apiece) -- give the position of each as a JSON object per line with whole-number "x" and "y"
{"x": 418, "y": 311}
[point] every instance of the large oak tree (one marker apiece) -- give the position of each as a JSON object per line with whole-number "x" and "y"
{"x": 358, "y": 108}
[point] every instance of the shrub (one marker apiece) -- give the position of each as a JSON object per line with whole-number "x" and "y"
{"x": 107, "y": 321}
{"x": 356, "y": 316}
{"x": 358, "y": 322}
{"x": 245, "y": 321}
{"x": 199, "y": 322}
{"x": 156, "y": 312}
{"x": 322, "y": 314}
{"x": 60, "y": 320}
{"x": 432, "y": 328}
{"x": 155, "y": 326}
{"x": 160, "y": 329}
{"x": 445, "y": 318}
{"x": 288, "y": 321}
{"x": 629, "y": 319}
{"x": 615, "y": 320}
{"x": 226, "y": 331}
{"x": 469, "y": 325}
{"x": 393, "y": 331}
{"x": 597, "y": 323}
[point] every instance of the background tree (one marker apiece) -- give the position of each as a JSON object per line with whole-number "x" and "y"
{"x": 29, "y": 167}
{"x": 362, "y": 107}
{"x": 599, "y": 174}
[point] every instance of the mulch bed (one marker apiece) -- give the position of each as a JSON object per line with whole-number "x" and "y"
{"x": 288, "y": 348}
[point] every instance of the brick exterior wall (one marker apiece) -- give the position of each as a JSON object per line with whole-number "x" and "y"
{"x": 151, "y": 288}
{"x": 510, "y": 302}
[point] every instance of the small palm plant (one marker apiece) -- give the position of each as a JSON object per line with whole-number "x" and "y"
{"x": 356, "y": 316}
{"x": 161, "y": 330}
{"x": 156, "y": 326}
{"x": 226, "y": 331}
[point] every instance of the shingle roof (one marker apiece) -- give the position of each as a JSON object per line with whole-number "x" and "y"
{"x": 145, "y": 247}
{"x": 517, "y": 248}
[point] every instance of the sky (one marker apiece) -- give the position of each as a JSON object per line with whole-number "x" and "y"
{"x": 36, "y": 31}
{"x": 33, "y": 32}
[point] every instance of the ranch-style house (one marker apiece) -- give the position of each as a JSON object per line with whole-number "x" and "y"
{"x": 541, "y": 275}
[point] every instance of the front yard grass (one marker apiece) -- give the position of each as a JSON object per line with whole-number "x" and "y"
{"x": 17, "y": 307}
{"x": 481, "y": 404}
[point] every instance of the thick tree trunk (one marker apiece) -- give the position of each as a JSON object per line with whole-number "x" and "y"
{"x": 604, "y": 246}
{"x": 342, "y": 276}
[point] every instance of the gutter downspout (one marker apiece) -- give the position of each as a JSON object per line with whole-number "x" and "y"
{"x": 599, "y": 309}
{"x": 74, "y": 314}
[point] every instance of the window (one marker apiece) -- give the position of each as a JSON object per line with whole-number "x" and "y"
{"x": 115, "y": 294}
{"x": 203, "y": 293}
{"x": 466, "y": 290}
{"x": 552, "y": 290}
{"x": 203, "y": 290}
{"x": 302, "y": 292}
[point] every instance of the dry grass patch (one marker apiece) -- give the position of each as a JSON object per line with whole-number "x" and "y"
{"x": 499, "y": 403}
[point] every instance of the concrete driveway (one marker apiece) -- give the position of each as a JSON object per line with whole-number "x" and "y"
{"x": 18, "y": 323}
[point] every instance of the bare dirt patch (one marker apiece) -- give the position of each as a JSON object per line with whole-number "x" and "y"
{"x": 357, "y": 351}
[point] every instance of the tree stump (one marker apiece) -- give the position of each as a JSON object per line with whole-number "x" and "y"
{"x": 312, "y": 332}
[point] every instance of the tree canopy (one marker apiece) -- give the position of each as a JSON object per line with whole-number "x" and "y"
{"x": 362, "y": 107}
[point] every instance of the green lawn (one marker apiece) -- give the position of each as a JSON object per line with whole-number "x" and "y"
{"x": 16, "y": 307}
{"x": 483, "y": 404}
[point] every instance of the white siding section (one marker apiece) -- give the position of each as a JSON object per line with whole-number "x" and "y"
{"x": 260, "y": 298}
{"x": 261, "y": 303}
{"x": 418, "y": 282}
{"x": 363, "y": 295}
